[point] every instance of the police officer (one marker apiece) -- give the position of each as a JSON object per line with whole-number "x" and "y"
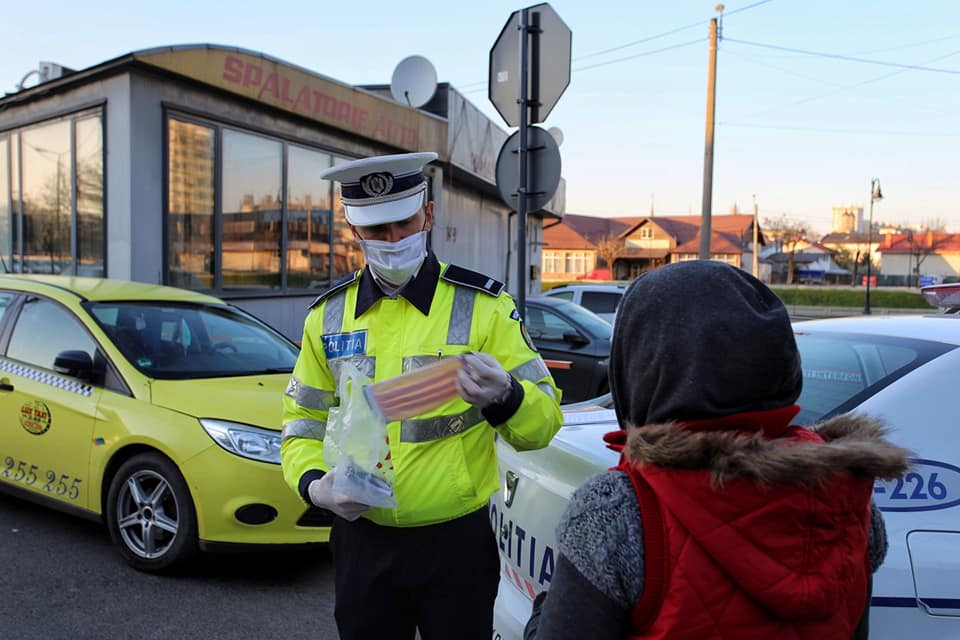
{"x": 431, "y": 563}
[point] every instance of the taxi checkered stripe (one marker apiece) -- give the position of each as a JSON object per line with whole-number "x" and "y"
{"x": 43, "y": 377}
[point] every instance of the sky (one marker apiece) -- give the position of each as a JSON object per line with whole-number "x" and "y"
{"x": 814, "y": 99}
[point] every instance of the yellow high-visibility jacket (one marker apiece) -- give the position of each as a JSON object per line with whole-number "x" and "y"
{"x": 444, "y": 461}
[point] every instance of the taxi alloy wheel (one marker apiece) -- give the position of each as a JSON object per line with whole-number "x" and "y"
{"x": 150, "y": 514}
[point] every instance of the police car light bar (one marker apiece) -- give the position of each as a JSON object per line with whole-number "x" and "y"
{"x": 946, "y": 297}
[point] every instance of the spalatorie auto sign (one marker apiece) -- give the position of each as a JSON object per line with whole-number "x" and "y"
{"x": 297, "y": 91}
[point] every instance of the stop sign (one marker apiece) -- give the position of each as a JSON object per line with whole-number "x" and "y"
{"x": 548, "y": 64}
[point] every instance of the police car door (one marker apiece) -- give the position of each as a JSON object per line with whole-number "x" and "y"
{"x": 48, "y": 416}
{"x": 916, "y": 593}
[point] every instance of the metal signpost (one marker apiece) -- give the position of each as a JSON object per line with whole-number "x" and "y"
{"x": 520, "y": 77}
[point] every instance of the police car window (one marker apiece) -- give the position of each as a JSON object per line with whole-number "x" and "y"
{"x": 43, "y": 330}
{"x": 565, "y": 295}
{"x": 841, "y": 370}
{"x": 601, "y": 301}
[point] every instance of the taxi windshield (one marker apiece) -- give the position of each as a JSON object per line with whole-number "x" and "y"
{"x": 842, "y": 370}
{"x": 185, "y": 341}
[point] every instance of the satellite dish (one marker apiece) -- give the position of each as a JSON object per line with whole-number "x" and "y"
{"x": 557, "y": 134}
{"x": 414, "y": 81}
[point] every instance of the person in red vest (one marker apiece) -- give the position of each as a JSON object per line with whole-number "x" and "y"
{"x": 722, "y": 519}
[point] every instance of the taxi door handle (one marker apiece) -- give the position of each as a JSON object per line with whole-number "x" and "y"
{"x": 6, "y": 386}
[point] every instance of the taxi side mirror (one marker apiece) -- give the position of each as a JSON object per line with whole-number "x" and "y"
{"x": 77, "y": 364}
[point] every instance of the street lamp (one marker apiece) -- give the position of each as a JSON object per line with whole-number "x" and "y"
{"x": 874, "y": 196}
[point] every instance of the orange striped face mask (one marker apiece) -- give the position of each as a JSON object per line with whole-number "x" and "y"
{"x": 416, "y": 392}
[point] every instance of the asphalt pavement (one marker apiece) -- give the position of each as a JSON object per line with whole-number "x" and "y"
{"x": 61, "y": 578}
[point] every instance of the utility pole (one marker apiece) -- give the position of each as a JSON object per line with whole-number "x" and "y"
{"x": 707, "y": 205}
{"x": 756, "y": 261}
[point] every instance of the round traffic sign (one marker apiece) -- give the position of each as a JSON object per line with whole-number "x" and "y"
{"x": 543, "y": 169}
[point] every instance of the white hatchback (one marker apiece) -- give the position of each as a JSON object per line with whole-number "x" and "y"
{"x": 601, "y": 298}
{"x": 902, "y": 369}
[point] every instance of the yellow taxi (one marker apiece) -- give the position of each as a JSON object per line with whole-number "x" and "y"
{"x": 154, "y": 409}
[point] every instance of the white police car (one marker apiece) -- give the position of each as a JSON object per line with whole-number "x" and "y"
{"x": 902, "y": 369}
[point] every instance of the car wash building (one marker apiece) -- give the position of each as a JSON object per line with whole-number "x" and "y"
{"x": 196, "y": 166}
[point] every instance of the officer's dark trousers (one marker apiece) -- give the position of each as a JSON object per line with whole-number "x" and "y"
{"x": 440, "y": 578}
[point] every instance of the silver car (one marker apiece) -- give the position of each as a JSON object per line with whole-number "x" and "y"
{"x": 902, "y": 369}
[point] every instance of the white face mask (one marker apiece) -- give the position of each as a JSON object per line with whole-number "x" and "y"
{"x": 395, "y": 263}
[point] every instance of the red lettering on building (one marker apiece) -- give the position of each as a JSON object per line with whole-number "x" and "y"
{"x": 271, "y": 86}
{"x": 232, "y": 69}
{"x": 302, "y": 102}
{"x": 252, "y": 75}
{"x": 280, "y": 89}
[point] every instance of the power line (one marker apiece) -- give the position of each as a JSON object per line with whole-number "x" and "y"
{"x": 605, "y": 63}
{"x": 640, "y": 55}
{"x": 837, "y": 56}
{"x": 643, "y": 40}
{"x": 871, "y": 132}
{"x": 845, "y": 87}
{"x": 640, "y": 41}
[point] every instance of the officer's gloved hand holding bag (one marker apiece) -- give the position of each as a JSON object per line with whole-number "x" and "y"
{"x": 356, "y": 450}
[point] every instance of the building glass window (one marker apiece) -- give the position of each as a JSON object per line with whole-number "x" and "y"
{"x": 347, "y": 254}
{"x": 308, "y": 219}
{"x": 190, "y": 182}
{"x": 646, "y": 233}
{"x": 5, "y": 204}
{"x": 252, "y": 211}
{"x": 47, "y": 197}
{"x": 89, "y": 179}
{"x": 248, "y": 211}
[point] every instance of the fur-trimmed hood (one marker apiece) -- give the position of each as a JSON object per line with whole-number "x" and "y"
{"x": 853, "y": 443}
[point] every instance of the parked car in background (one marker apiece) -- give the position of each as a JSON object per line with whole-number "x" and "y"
{"x": 574, "y": 342}
{"x": 901, "y": 369}
{"x": 153, "y": 409}
{"x": 600, "y": 298}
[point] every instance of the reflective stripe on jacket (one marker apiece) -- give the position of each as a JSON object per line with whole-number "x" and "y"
{"x": 445, "y": 460}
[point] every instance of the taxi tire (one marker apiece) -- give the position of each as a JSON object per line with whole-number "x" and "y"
{"x": 184, "y": 546}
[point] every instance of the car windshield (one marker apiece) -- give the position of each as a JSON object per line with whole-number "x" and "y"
{"x": 184, "y": 341}
{"x": 840, "y": 371}
{"x": 594, "y": 324}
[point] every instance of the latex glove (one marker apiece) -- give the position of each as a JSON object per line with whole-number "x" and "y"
{"x": 482, "y": 381}
{"x": 323, "y": 495}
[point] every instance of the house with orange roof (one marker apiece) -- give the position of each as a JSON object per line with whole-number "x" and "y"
{"x": 906, "y": 257}
{"x": 629, "y": 246}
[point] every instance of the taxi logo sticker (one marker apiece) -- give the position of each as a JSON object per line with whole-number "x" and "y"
{"x": 35, "y": 417}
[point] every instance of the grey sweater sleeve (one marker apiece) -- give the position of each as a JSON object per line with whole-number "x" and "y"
{"x": 599, "y": 574}
{"x": 877, "y": 539}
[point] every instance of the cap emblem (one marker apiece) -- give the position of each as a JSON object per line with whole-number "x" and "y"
{"x": 376, "y": 184}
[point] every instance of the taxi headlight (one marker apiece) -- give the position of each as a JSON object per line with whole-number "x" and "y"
{"x": 243, "y": 440}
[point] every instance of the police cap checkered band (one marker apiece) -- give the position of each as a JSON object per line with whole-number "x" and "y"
{"x": 375, "y": 188}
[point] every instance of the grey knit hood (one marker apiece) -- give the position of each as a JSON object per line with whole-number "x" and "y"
{"x": 697, "y": 340}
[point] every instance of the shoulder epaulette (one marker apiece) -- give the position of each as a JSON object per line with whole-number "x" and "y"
{"x": 337, "y": 286}
{"x": 472, "y": 279}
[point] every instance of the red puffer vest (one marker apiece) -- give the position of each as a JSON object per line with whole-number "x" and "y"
{"x": 750, "y": 562}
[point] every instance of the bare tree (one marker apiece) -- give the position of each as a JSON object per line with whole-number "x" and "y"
{"x": 922, "y": 245}
{"x": 610, "y": 247}
{"x": 788, "y": 233}
{"x": 936, "y": 224}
